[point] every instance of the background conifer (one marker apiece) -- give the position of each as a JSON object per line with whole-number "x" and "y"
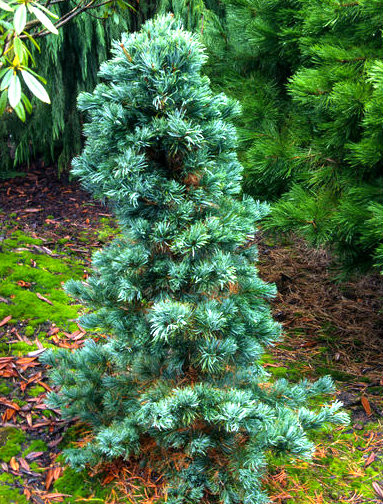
{"x": 310, "y": 75}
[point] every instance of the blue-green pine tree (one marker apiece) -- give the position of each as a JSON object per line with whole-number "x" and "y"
{"x": 178, "y": 380}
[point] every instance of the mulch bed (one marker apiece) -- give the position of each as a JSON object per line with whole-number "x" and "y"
{"x": 316, "y": 312}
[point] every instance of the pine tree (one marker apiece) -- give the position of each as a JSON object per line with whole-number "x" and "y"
{"x": 338, "y": 92}
{"x": 320, "y": 142}
{"x": 178, "y": 380}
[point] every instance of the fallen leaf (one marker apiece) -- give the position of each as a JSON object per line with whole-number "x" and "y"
{"x": 56, "y": 495}
{"x": 34, "y": 455}
{"x": 30, "y": 210}
{"x": 24, "y": 464}
{"x": 14, "y": 464}
{"x": 370, "y": 459}
{"x": 53, "y": 474}
{"x": 5, "y": 320}
{"x": 366, "y": 405}
{"x": 29, "y": 419}
{"x": 27, "y": 493}
{"x": 36, "y": 352}
{"x": 8, "y": 414}
{"x": 57, "y": 471}
{"x": 49, "y": 479}
{"x": 378, "y": 489}
{"x": 21, "y": 283}
{"x": 40, "y": 346}
{"x": 43, "y": 298}
{"x": 108, "y": 479}
{"x": 10, "y": 404}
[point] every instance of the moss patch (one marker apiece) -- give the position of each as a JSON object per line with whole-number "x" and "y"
{"x": 36, "y": 391}
{"x": 4, "y": 389}
{"x": 10, "y": 443}
{"x": 24, "y": 273}
{"x": 11, "y": 495}
{"x": 80, "y": 485}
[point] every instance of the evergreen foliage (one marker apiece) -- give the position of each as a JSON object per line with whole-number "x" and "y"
{"x": 320, "y": 142}
{"x": 69, "y": 62}
{"x": 178, "y": 380}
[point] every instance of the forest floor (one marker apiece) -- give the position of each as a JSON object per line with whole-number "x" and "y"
{"x": 49, "y": 230}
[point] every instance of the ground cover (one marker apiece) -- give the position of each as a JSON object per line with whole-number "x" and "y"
{"x": 49, "y": 230}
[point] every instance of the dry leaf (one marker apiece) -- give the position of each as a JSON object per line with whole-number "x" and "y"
{"x": 34, "y": 455}
{"x": 366, "y": 405}
{"x": 49, "y": 479}
{"x": 5, "y": 320}
{"x": 370, "y": 459}
{"x": 14, "y": 464}
{"x": 24, "y": 464}
{"x": 10, "y": 404}
{"x": 29, "y": 419}
{"x": 27, "y": 493}
{"x": 53, "y": 330}
{"x": 56, "y": 495}
{"x": 378, "y": 489}
{"x": 8, "y": 414}
{"x": 43, "y": 298}
{"x": 57, "y": 471}
{"x": 21, "y": 283}
{"x": 53, "y": 474}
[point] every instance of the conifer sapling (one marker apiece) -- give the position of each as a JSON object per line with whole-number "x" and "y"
{"x": 178, "y": 380}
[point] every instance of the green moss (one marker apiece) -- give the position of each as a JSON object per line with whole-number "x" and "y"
{"x": 10, "y": 443}
{"x": 336, "y": 374}
{"x": 6, "y": 478}
{"x": 37, "y": 445}
{"x": 80, "y": 485}
{"x": 36, "y": 391}
{"x": 11, "y": 495}
{"x": 376, "y": 390}
{"x": 48, "y": 413}
{"x": 267, "y": 358}
{"x": 22, "y": 348}
{"x": 4, "y": 389}
{"x": 45, "y": 274}
{"x": 279, "y": 372}
{"x": 293, "y": 372}
{"x": 20, "y": 239}
{"x": 35, "y": 467}
{"x": 29, "y": 330}
{"x": 106, "y": 231}
{"x": 61, "y": 241}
